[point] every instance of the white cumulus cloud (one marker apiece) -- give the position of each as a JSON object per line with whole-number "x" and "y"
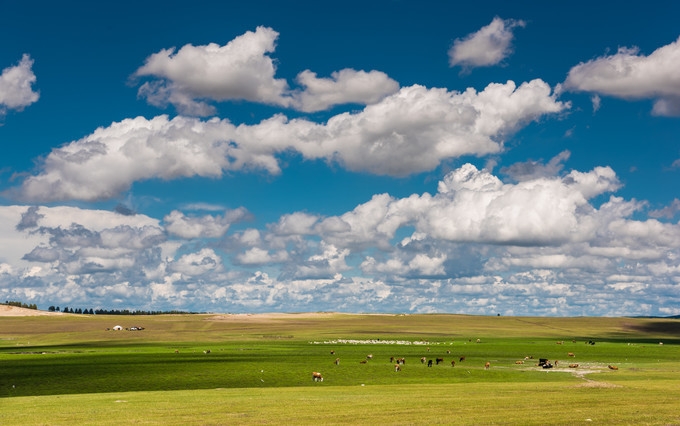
{"x": 191, "y": 77}
{"x": 631, "y": 75}
{"x": 188, "y": 227}
{"x": 344, "y": 86}
{"x": 488, "y": 46}
{"x": 241, "y": 69}
{"x": 199, "y": 263}
{"x": 16, "y": 91}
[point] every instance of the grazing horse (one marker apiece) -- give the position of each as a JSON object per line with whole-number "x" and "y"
{"x": 487, "y": 365}
{"x": 438, "y": 360}
{"x": 317, "y": 377}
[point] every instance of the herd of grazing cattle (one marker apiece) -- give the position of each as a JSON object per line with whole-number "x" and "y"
{"x": 399, "y": 362}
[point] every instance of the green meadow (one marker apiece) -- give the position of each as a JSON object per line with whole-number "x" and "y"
{"x": 257, "y": 369}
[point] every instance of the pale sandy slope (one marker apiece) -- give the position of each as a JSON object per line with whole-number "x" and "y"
{"x": 13, "y": 311}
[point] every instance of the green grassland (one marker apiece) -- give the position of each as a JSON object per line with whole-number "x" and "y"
{"x": 70, "y": 369}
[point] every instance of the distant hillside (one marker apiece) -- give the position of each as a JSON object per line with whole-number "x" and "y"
{"x": 15, "y": 311}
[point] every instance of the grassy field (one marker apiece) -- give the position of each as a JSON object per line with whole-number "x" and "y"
{"x": 70, "y": 369}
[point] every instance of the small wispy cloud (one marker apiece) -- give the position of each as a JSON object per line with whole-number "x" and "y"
{"x": 486, "y": 47}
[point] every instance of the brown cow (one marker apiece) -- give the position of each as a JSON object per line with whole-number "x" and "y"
{"x": 397, "y": 367}
{"x": 519, "y": 362}
{"x": 401, "y": 361}
{"x": 461, "y": 359}
{"x": 613, "y": 367}
{"x": 487, "y": 365}
{"x": 438, "y": 360}
{"x": 317, "y": 377}
{"x": 573, "y": 365}
{"x": 571, "y": 354}
{"x": 337, "y": 361}
{"x": 422, "y": 360}
{"x": 453, "y": 363}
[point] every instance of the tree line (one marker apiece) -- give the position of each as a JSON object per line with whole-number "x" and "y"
{"x": 91, "y": 311}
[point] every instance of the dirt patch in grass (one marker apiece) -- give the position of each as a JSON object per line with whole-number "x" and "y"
{"x": 588, "y": 382}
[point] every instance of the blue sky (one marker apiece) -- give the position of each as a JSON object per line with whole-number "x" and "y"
{"x": 384, "y": 156}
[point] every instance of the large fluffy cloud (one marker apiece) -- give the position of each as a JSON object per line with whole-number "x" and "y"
{"x": 411, "y": 131}
{"x": 16, "y": 91}
{"x": 240, "y": 69}
{"x": 106, "y": 162}
{"x": 475, "y": 206}
{"x": 488, "y": 46}
{"x": 417, "y": 128}
{"x": 630, "y": 75}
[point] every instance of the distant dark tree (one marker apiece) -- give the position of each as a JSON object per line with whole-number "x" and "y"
{"x": 51, "y": 309}
{"x": 57, "y": 309}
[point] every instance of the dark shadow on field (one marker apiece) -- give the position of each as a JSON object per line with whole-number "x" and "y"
{"x": 658, "y": 327}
